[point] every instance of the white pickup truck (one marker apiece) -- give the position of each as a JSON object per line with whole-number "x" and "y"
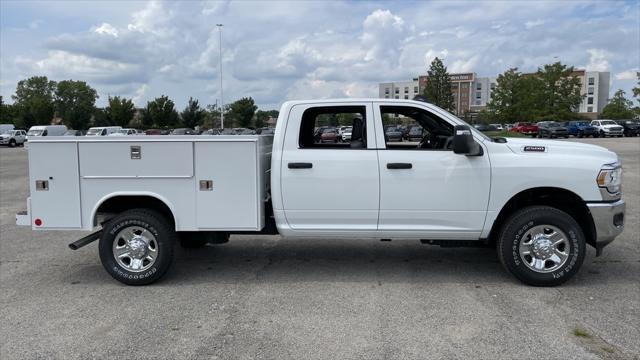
{"x": 538, "y": 202}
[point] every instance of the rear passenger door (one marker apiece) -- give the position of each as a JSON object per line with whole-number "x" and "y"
{"x": 330, "y": 186}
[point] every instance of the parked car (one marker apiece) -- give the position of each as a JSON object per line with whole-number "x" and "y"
{"x": 267, "y": 131}
{"x": 608, "y": 128}
{"x": 346, "y": 133}
{"x": 485, "y": 127}
{"x": 329, "y": 135}
{"x": 552, "y": 129}
{"x": 416, "y": 133}
{"x": 394, "y": 134}
{"x": 214, "y": 131}
{"x": 103, "y": 130}
{"x": 499, "y": 127}
{"x": 72, "y": 132}
{"x": 46, "y": 130}
{"x": 125, "y": 132}
{"x": 6, "y": 127}
{"x": 630, "y": 127}
{"x": 581, "y": 128}
{"x": 13, "y": 138}
{"x": 508, "y": 127}
{"x": 525, "y": 128}
{"x": 183, "y": 131}
{"x": 539, "y": 203}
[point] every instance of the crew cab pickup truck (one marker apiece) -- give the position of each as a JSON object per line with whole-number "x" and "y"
{"x": 539, "y": 203}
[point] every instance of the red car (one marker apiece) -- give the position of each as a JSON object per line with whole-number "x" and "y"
{"x": 525, "y": 128}
{"x": 329, "y": 136}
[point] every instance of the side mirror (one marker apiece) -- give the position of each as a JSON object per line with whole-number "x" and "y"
{"x": 463, "y": 142}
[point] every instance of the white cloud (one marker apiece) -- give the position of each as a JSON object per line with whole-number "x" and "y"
{"x": 533, "y": 23}
{"x": 627, "y": 75}
{"x": 106, "y": 29}
{"x": 280, "y": 50}
{"x": 597, "y": 60}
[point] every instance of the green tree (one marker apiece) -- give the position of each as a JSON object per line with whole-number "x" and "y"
{"x": 193, "y": 114}
{"x": 7, "y": 113}
{"x": 120, "y": 111}
{"x": 211, "y": 117}
{"x": 438, "y": 89}
{"x": 558, "y": 93}
{"x": 34, "y": 101}
{"x": 100, "y": 118}
{"x": 162, "y": 112}
{"x": 75, "y": 103}
{"x": 241, "y": 112}
{"x": 636, "y": 89}
{"x": 261, "y": 119}
{"x": 618, "y": 107}
{"x": 514, "y": 98}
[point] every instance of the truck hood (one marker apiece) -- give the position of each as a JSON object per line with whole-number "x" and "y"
{"x": 615, "y": 127}
{"x": 559, "y": 148}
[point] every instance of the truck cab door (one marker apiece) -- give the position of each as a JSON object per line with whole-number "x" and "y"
{"x": 327, "y": 184}
{"x": 426, "y": 190}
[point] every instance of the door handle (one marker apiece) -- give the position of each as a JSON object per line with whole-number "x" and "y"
{"x": 300, "y": 165}
{"x": 395, "y": 166}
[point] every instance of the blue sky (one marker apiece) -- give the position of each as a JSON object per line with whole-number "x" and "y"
{"x": 275, "y": 51}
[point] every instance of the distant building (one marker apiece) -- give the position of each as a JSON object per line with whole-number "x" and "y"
{"x": 472, "y": 93}
{"x": 595, "y": 85}
{"x": 399, "y": 89}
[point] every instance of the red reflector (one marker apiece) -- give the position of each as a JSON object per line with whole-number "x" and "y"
{"x": 38, "y": 222}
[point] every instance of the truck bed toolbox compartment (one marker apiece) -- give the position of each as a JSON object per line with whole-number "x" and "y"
{"x": 136, "y": 159}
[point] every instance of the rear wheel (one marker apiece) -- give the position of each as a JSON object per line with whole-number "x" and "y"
{"x": 541, "y": 246}
{"x": 136, "y": 247}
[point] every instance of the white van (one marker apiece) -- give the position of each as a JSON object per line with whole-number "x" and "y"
{"x": 103, "y": 130}
{"x": 46, "y": 130}
{"x": 6, "y": 128}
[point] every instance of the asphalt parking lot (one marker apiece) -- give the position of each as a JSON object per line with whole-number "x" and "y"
{"x": 265, "y": 297}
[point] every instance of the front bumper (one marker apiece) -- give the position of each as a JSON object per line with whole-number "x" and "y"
{"x": 608, "y": 220}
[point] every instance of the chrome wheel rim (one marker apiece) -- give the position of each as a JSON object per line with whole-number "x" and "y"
{"x": 135, "y": 249}
{"x": 544, "y": 248}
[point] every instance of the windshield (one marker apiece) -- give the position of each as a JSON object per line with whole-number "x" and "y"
{"x": 94, "y": 131}
{"x": 35, "y": 132}
{"x": 553, "y": 124}
{"x": 123, "y": 131}
{"x": 608, "y": 122}
{"x": 583, "y": 123}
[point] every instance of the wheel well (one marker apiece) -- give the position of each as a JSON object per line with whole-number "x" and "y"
{"x": 558, "y": 198}
{"x": 118, "y": 204}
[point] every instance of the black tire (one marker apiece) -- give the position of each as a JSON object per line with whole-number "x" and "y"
{"x": 511, "y": 235}
{"x": 158, "y": 225}
{"x": 580, "y": 134}
{"x": 602, "y": 134}
{"x": 12, "y": 143}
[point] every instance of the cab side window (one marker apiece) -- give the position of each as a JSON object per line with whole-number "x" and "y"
{"x": 410, "y": 128}
{"x": 333, "y": 127}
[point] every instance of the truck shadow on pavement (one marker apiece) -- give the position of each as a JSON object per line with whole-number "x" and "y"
{"x": 334, "y": 261}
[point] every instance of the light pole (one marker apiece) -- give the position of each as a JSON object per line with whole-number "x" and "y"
{"x": 221, "y": 97}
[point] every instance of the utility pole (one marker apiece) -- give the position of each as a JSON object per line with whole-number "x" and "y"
{"x": 221, "y": 97}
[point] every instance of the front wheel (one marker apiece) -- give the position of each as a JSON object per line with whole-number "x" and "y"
{"x": 541, "y": 246}
{"x": 602, "y": 134}
{"x": 136, "y": 247}
{"x": 12, "y": 143}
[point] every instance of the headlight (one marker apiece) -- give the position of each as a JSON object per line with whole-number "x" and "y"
{"x": 610, "y": 178}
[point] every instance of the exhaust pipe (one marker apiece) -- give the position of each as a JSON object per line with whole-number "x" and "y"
{"x": 85, "y": 240}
